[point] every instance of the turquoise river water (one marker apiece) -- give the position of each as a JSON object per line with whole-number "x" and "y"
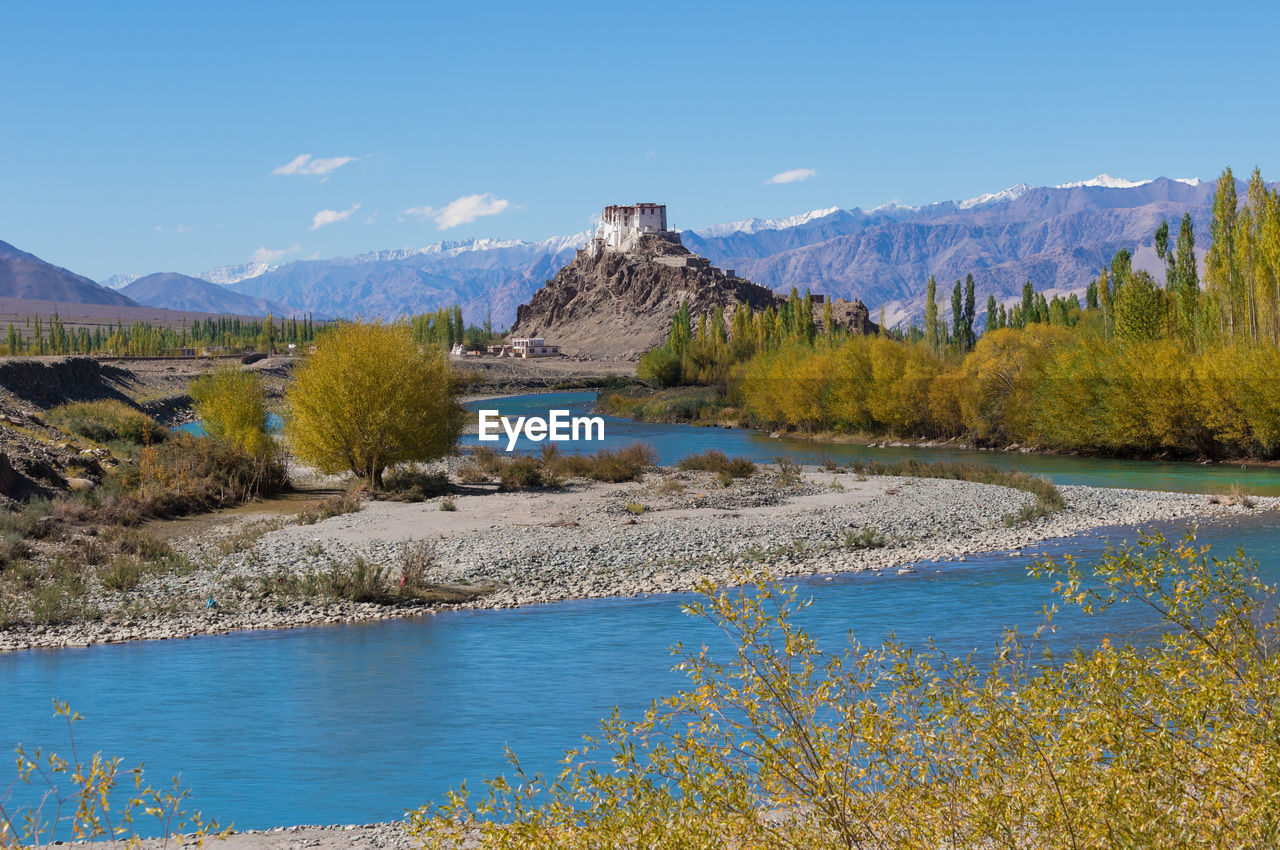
{"x": 354, "y": 724}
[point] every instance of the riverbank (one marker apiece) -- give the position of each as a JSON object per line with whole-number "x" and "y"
{"x": 664, "y": 534}
{"x": 701, "y": 407}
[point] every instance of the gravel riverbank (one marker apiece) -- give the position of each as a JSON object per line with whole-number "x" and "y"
{"x": 664, "y": 534}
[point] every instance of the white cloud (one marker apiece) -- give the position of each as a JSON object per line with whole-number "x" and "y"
{"x": 183, "y": 228}
{"x": 270, "y": 255}
{"x": 463, "y": 210}
{"x": 157, "y": 229}
{"x": 324, "y": 217}
{"x": 795, "y": 175}
{"x": 304, "y": 164}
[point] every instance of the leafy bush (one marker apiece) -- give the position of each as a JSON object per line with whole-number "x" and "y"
{"x": 413, "y": 485}
{"x": 370, "y": 397}
{"x": 448, "y": 505}
{"x": 1170, "y": 744}
{"x": 187, "y": 474}
{"x": 519, "y": 473}
{"x": 627, "y": 464}
{"x": 107, "y": 421}
{"x": 13, "y": 548}
{"x": 660, "y": 366}
{"x": 74, "y": 797}
{"x": 233, "y": 406}
{"x": 359, "y": 582}
{"x": 415, "y": 562}
{"x": 788, "y": 472}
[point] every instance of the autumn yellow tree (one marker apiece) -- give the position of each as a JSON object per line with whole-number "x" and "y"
{"x": 233, "y": 406}
{"x": 370, "y": 397}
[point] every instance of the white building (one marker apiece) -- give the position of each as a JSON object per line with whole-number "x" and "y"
{"x": 533, "y": 347}
{"x": 622, "y": 226}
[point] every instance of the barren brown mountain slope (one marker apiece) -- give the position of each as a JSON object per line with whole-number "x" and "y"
{"x": 618, "y": 305}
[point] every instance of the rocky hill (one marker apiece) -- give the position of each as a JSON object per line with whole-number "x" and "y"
{"x": 617, "y": 306}
{"x": 24, "y": 275}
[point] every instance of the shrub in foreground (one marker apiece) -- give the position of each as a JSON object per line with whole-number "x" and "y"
{"x": 95, "y": 800}
{"x": 1172, "y": 744}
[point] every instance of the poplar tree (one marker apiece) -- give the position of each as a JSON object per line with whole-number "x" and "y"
{"x": 1221, "y": 272}
{"x": 1188, "y": 278}
{"x": 969, "y": 307}
{"x": 957, "y": 318}
{"x": 931, "y": 314}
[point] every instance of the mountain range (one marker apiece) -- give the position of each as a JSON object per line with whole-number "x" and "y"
{"x": 1056, "y": 236}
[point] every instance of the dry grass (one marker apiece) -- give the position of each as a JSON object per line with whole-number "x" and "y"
{"x": 550, "y": 468}
{"x": 1236, "y": 495}
{"x": 719, "y": 462}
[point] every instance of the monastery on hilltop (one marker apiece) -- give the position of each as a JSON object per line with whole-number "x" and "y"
{"x": 622, "y": 226}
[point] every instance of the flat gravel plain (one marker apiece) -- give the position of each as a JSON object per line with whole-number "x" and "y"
{"x": 668, "y": 533}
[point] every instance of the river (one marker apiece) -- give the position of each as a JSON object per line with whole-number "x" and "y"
{"x": 354, "y": 724}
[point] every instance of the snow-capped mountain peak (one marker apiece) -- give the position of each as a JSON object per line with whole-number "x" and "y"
{"x": 1010, "y": 194}
{"x": 755, "y": 225}
{"x": 119, "y": 281}
{"x": 1104, "y": 181}
{"x": 227, "y": 275}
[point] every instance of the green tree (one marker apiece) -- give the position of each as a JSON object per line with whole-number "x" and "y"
{"x": 931, "y": 315}
{"x": 370, "y": 397}
{"x": 1222, "y": 273}
{"x": 232, "y": 405}
{"x": 1139, "y": 313}
{"x": 1187, "y": 277}
{"x": 660, "y": 366}
{"x": 957, "y": 318}
{"x": 969, "y": 307}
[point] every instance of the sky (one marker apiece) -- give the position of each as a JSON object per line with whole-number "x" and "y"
{"x": 139, "y": 137}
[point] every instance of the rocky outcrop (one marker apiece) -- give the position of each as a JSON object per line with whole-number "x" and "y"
{"x": 617, "y": 306}
{"x": 852, "y": 316}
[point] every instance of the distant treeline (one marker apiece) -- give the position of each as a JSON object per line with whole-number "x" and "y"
{"x": 39, "y": 336}
{"x": 1139, "y": 368}
{"x": 47, "y": 336}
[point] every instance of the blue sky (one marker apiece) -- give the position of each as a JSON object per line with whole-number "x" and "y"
{"x": 141, "y": 137}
